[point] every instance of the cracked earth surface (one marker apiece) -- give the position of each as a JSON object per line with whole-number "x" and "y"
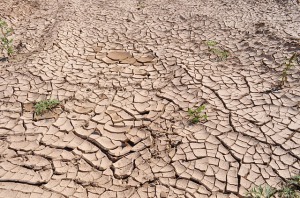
{"x": 126, "y": 73}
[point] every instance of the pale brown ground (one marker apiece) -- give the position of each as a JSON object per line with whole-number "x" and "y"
{"x": 122, "y": 129}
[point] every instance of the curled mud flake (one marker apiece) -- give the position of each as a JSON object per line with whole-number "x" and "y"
{"x": 118, "y": 55}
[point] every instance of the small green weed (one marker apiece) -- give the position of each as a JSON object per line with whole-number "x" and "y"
{"x": 6, "y": 43}
{"x": 261, "y": 192}
{"x": 291, "y": 62}
{"x": 141, "y": 4}
{"x": 288, "y": 192}
{"x": 295, "y": 181}
{"x": 219, "y": 52}
{"x": 211, "y": 43}
{"x": 196, "y": 115}
{"x": 45, "y": 105}
{"x": 290, "y": 189}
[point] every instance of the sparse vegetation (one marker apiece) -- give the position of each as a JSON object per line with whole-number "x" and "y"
{"x": 261, "y": 192}
{"x": 291, "y": 189}
{"x": 288, "y": 192}
{"x": 211, "y": 43}
{"x": 218, "y": 51}
{"x": 141, "y": 4}
{"x": 291, "y": 62}
{"x": 6, "y": 43}
{"x": 45, "y": 105}
{"x": 197, "y": 115}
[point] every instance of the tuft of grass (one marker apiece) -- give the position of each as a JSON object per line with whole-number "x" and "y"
{"x": 6, "y": 43}
{"x": 197, "y": 115}
{"x": 291, "y": 62}
{"x": 218, "y": 51}
{"x": 45, "y": 105}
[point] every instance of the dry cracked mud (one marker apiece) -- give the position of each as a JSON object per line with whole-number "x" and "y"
{"x": 126, "y": 72}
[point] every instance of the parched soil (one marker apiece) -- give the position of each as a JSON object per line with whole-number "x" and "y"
{"x": 126, "y": 72}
